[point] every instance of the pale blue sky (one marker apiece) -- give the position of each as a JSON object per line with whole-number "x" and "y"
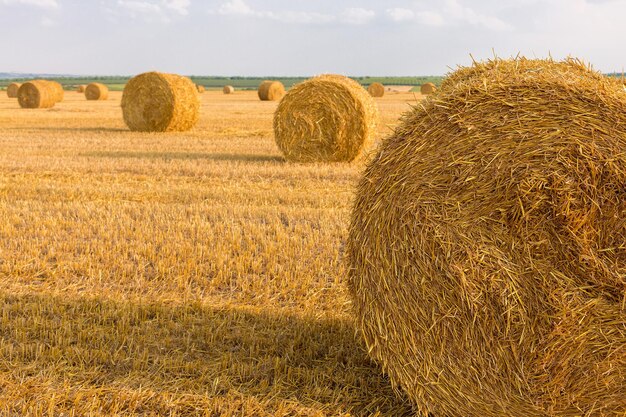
{"x": 301, "y": 37}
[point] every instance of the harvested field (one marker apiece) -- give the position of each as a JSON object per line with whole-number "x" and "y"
{"x": 182, "y": 273}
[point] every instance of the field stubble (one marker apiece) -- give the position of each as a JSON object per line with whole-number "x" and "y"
{"x": 187, "y": 273}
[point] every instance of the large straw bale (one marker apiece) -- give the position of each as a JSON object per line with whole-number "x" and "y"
{"x": 271, "y": 90}
{"x": 12, "y": 90}
{"x": 329, "y": 118}
{"x": 39, "y": 94}
{"x": 97, "y": 91}
{"x": 487, "y": 255}
{"x": 376, "y": 89}
{"x": 158, "y": 102}
{"x": 228, "y": 89}
{"x": 428, "y": 88}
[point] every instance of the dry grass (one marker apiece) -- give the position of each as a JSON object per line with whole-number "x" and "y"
{"x": 179, "y": 274}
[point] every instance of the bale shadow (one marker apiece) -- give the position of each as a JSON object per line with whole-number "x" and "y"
{"x": 186, "y": 156}
{"x": 194, "y": 356}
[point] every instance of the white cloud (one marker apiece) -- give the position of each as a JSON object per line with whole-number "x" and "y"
{"x": 357, "y": 16}
{"x": 449, "y": 12}
{"x": 401, "y": 15}
{"x": 44, "y": 4}
{"x": 48, "y": 23}
{"x": 430, "y": 18}
{"x": 241, "y": 8}
{"x": 297, "y": 17}
{"x": 235, "y": 7}
{"x": 456, "y": 11}
{"x": 139, "y": 6}
{"x": 153, "y": 9}
{"x": 424, "y": 17}
{"x": 179, "y": 6}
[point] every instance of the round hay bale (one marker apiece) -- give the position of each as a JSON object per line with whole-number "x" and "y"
{"x": 376, "y": 89}
{"x": 329, "y": 118}
{"x": 158, "y": 102}
{"x": 38, "y": 94}
{"x": 228, "y": 89}
{"x": 12, "y": 90}
{"x": 59, "y": 93}
{"x": 81, "y": 88}
{"x": 428, "y": 88}
{"x": 271, "y": 90}
{"x": 201, "y": 89}
{"x": 487, "y": 263}
{"x": 97, "y": 91}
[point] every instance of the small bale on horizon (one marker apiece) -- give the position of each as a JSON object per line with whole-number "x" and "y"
{"x": 96, "y": 91}
{"x": 271, "y": 90}
{"x": 12, "y": 90}
{"x": 160, "y": 102}
{"x": 228, "y": 89}
{"x": 376, "y": 90}
{"x": 201, "y": 89}
{"x": 428, "y": 88}
{"x": 81, "y": 88}
{"x": 59, "y": 93}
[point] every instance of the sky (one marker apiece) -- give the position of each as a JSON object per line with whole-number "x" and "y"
{"x": 302, "y": 37}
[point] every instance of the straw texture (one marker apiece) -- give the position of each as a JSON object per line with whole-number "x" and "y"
{"x": 228, "y": 89}
{"x": 97, "y": 91}
{"x": 158, "y": 102}
{"x": 39, "y": 94}
{"x": 271, "y": 90}
{"x": 329, "y": 118}
{"x": 428, "y": 88}
{"x": 12, "y": 90}
{"x": 486, "y": 251}
{"x": 376, "y": 89}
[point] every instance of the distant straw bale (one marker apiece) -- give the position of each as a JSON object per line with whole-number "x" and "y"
{"x": 376, "y": 89}
{"x": 12, "y": 90}
{"x": 487, "y": 263}
{"x": 329, "y": 118}
{"x": 271, "y": 90}
{"x": 81, "y": 88}
{"x": 428, "y": 88}
{"x": 97, "y": 91}
{"x": 39, "y": 94}
{"x": 158, "y": 102}
{"x": 228, "y": 89}
{"x": 201, "y": 88}
{"x": 59, "y": 93}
